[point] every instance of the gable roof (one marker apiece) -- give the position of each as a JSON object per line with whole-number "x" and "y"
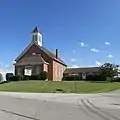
{"x": 49, "y": 53}
{"x": 82, "y": 70}
{"x": 31, "y": 60}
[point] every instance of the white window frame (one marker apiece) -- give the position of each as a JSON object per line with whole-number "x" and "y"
{"x": 27, "y": 67}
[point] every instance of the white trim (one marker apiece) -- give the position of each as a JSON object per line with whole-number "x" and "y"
{"x": 25, "y": 50}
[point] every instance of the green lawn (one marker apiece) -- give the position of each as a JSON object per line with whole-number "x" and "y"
{"x": 42, "y": 86}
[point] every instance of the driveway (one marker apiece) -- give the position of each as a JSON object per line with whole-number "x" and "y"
{"x": 53, "y": 106}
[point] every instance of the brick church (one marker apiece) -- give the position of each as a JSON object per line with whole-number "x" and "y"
{"x": 35, "y": 58}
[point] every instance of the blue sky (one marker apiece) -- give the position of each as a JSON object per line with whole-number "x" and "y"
{"x": 86, "y": 32}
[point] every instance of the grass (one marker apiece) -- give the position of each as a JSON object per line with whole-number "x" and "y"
{"x": 50, "y": 87}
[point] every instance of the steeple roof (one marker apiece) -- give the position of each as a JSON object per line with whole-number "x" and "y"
{"x": 36, "y": 30}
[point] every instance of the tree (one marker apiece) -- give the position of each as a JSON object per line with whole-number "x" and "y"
{"x": 1, "y": 77}
{"x": 109, "y": 70}
{"x": 9, "y": 76}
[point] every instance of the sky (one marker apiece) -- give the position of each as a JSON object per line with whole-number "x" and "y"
{"x": 86, "y": 32}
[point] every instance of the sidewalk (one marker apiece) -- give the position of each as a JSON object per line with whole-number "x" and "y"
{"x": 105, "y": 100}
{"x": 53, "y": 97}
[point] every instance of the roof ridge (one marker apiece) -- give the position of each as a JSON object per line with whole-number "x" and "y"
{"x": 48, "y": 52}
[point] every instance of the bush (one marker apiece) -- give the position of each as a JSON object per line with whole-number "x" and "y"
{"x": 43, "y": 75}
{"x": 17, "y": 78}
{"x": 9, "y": 76}
{"x": 25, "y": 77}
{"x": 34, "y": 77}
{"x": 1, "y": 77}
{"x": 71, "y": 78}
{"x": 95, "y": 78}
{"x": 116, "y": 80}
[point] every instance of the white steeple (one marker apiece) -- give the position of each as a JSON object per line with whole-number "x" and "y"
{"x": 37, "y": 36}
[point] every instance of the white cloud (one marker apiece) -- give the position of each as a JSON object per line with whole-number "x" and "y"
{"x": 94, "y": 50}
{"x": 73, "y": 60}
{"x": 107, "y": 43}
{"x": 90, "y": 66}
{"x": 82, "y": 44}
{"x": 73, "y": 51}
{"x": 110, "y": 56}
{"x": 108, "y": 62}
{"x": 75, "y": 66}
{"x": 7, "y": 66}
{"x": 98, "y": 63}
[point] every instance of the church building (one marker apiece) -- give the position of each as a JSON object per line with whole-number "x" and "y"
{"x": 35, "y": 58}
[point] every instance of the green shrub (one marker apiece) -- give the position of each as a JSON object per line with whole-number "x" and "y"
{"x": 17, "y": 78}
{"x": 9, "y": 76}
{"x": 26, "y": 77}
{"x": 71, "y": 78}
{"x": 12, "y": 78}
{"x": 95, "y": 78}
{"x": 43, "y": 75}
{"x": 116, "y": 80}
{"x": 34, "y": 77}
{"x": 1, "y": 77}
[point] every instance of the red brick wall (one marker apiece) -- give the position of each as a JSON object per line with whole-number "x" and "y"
{"x": 58, "y": 70}
{"x": 34, "y": 49}
{"x": 22, "y": 68}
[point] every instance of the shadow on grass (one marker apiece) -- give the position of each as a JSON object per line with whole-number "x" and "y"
{"x": 91, "y": 81}
{"x": 59, "y": 90}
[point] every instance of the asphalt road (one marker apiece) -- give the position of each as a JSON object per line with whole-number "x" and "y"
{"x": 60, "y": 107}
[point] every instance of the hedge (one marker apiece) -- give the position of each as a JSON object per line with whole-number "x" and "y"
{"x": 9, "y": 76}
{"x": 95, "y": 78}
{"x": 41, "y": 76}
{"x": 116, "y": 80}
{"x": 71, "y": 78}
{"x": 88, "y": 78}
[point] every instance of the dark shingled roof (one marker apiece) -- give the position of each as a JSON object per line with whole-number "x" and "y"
{"x": 82, "y": 70}
{"x": 52, "y": 55}
{"x": 31, "y": 60}
{"x": 49, "y": 53}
